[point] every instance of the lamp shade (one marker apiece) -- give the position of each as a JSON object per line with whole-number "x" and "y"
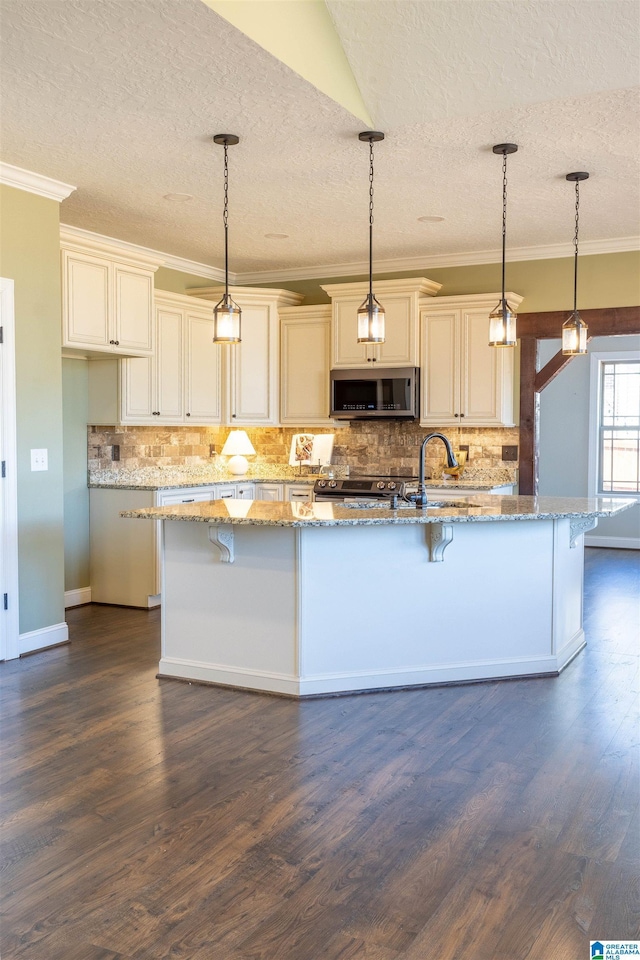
{"x": 238, "y": 447}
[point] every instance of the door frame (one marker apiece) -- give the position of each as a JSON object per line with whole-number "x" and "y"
{"x": 9, "y": 618}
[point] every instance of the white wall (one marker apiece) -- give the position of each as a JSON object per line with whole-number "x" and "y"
{"x": 564, "y": 433}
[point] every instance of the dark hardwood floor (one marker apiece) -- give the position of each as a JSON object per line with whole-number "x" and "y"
{"x": 148, "y": 819}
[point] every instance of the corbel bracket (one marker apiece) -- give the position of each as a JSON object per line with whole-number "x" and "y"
{"x": 439, "y": 536}
{"x": 578, "y": 526}
{"x": 222, "y": 536}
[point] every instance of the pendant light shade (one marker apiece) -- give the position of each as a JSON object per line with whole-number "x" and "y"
{"x": 371, "y": 313}
{"x": 502, "y": 319}
{"x": 227, "y": 314}
{"x": 574, "y": 329}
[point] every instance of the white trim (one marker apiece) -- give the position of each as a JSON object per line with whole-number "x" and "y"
{"x": 356, "y": 268}
{"x": 595, "y": 360}
{"x": 9, "y": 511}
{"x": 36, "y": 183}
{"x": 44, "y": 637}
{"x": 440, "y": 261}
{"x": 616, "y": 543}
{"x": 72, "y": 238}
{"x": 75, "y": 598}
{"x": 179, "y": 669}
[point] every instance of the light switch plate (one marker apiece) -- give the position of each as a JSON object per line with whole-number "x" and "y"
{"x": 39, "y": 460}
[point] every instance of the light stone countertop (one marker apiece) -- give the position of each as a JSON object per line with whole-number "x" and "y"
{"x": 480, "y": 508}
{"x": 152, "y": 478}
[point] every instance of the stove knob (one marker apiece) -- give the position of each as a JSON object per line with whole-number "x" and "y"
{"x": 322, "y": 483}
{"x": 380, "y": 484}
{"x": 392, "y": 485}
{"x": 333, "y": 483}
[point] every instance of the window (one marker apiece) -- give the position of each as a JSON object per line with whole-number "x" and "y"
{"x": 618, "y": 448}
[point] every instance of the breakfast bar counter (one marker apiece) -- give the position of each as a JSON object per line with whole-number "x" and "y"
{"x": 306, "y": 599}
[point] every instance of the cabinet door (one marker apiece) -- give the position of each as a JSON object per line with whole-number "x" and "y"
{"x": 254, "y": 366}
{"x": 268, "y": 491}
{"x": 86, "y": 301}
{"x": 137, "y": 390}
{"x": 486, "y": 375}
{"x": 133, "y": 326}
{"x": 245, "y": 491}
{"x": 304, "y": 383}
{"x": 169, "y": 366}
{"x": 400, "y": 347}
{"x": 203, "y": 397}
{"x": 440, "y": 368}
{"x": 345, "y": 349}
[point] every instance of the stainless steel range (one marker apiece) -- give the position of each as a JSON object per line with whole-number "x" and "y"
{"x": 365, "y": 489}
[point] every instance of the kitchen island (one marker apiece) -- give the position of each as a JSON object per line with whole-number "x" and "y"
{"x": 305, "y": 599}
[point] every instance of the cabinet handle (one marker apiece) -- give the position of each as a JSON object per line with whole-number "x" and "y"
{"x": 112, "y": 341}
{"x": 462, "y": 414}
{"x": 233, "y": 416}
{"x": 193, "y": 500}
{"x": 117, "y": 343}
{"x": 456, "y": 414}
{"x": 188, "y": 414}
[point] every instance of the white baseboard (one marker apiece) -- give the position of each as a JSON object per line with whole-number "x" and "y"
{"x": 617, "y": 543}
{"x": 74, "y": 598}
{"x": 295, "y": 686}
{"x": 44, "y": 637}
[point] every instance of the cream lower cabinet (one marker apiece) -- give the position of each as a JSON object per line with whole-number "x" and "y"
{"x": 254, "y": 363}
{"x": 464, "y": 381}
{"x": 269, "y": 491}
{"x": 401, "y": 302}
{"x": 107, "y": 300}
{"x": 125, "y": 554}
{"x": 305, "y": 364}
{"x": 182, "y": 383}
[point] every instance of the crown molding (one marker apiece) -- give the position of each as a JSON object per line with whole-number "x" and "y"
{"x": 69, "y": 234}
{"x": 441, "y": 261}
{"x": 284, "y": 298}
{"x": 36, "y": 183}
{"x": 358, "y": 268}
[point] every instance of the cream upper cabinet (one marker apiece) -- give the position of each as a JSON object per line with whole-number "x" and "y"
{"x": 203, "y": 368}
{"x": 464, "y": 381}
{"x": 252, "y": 371}
{"x": 107, "y": 299}
{"x": 305, "y": 362}
{"x": 401, "y": 302}
{"x": 181, "y": 383}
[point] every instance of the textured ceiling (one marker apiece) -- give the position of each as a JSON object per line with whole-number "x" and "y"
{"x": 121, "y": 97}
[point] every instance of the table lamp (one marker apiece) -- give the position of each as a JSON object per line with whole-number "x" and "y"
{"x": 238, "y": 447}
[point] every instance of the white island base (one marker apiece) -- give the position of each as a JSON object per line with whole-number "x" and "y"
{"x": 314, "y": 610}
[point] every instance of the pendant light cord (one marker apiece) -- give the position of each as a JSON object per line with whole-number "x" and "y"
{"x": 504, "y": 220}
{"x": 225, "y": 220}
{"x": 370, "y": 219}
{"x": 575, "y": 245}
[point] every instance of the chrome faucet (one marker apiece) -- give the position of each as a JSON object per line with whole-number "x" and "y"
{"x": 420, "y": 497}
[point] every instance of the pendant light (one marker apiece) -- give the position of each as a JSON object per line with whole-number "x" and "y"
{"x": 574, "y": 329}
{"x": 227, "y": 313}
{"x": 371, "y": 313}
{"x": 502, "y": 319}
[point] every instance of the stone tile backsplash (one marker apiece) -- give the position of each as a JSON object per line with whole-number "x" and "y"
{"x": 365, "y": 447}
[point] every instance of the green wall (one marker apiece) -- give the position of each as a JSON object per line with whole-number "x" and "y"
{"x": 75, "y": 414}
{"x": 30, "y": 256}
{"x": 606, "y": 280}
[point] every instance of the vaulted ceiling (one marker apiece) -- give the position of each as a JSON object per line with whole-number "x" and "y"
{"x": 121, "y": 98}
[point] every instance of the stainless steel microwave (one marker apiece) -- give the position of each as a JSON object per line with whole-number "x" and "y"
{"x": 385, "y": 394}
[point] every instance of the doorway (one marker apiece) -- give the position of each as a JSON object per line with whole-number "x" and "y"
{"x": 8, "y": 478}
